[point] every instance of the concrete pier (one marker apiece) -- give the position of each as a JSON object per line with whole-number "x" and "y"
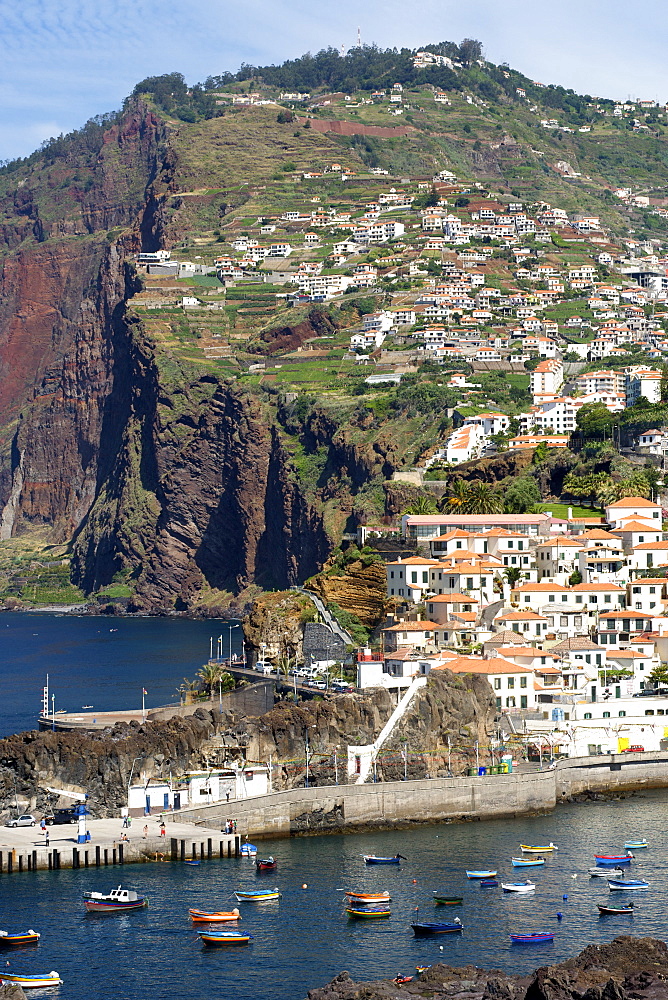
{"x": 24, "y": 850}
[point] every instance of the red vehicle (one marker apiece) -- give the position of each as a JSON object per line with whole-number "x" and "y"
{"x": 634, "y": 749}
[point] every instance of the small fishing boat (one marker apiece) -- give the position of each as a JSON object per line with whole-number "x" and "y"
{"x": 488, "y": 883}
{"x": 368, "y": 912}
{"x": 225, "y": 937}
{"x": 635, "y": 845}
{"x": 616, "y": 910}
{"x": 367, "y": 897}
{"x": 257, "y": 895}
{"x": 266, "y": 864}
{"x": 191, "y": 861}
{"x": 215, "y": 917}
{"x": 537, "y": 938}
{"x": 527, "y": 863}
{"x": 604, "y": 872}
{"x": 248, "y": 850}
{"x": 448, "y": 900}
{"x": 613, "y": 859}
{"x": 25, "y": 937}
{"x": 114, "y": 901}
{"x": 437, "y": 927}
{"x": 422, "y": 968}
{"x": 526, "y": 886}
{"x": 538, "y": 848}
{"x": 481, "y": 873}
{"x": 31, "y": 982}
{"x": 400, "y": 980}
{"x": 627, "y": 883}
{"x": 371, "y": 859}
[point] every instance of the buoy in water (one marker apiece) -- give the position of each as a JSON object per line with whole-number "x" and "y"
{"x": 304, "y": 886}
{"x": 414, "y": 881}
{"x": 559, "y": 916}
{"x": 564, "y": 897}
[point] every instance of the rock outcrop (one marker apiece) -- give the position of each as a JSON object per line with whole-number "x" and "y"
{"x": 359, "y": 589}
{"x": 626, "y": 969}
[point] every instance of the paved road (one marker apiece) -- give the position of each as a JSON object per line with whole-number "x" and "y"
{"x": 103, "y": 831}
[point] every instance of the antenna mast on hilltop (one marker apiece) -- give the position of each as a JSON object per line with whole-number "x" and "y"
{"x": 359, "y": 38}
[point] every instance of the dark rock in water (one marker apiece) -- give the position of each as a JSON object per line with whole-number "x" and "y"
{"x": 12, "y": 991}
{"x": 625, "y": 969}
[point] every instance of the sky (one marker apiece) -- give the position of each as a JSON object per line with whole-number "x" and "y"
{"x": 63, "y": 61}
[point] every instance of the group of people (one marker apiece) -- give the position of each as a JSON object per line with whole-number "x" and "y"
{"x": 230, "y": 826}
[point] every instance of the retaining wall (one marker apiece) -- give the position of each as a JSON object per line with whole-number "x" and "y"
{"x": 351, "y": 808}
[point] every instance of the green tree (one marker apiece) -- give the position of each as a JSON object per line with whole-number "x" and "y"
{"x": 522, "y": 494}
{"x": 482, "y": 499}
{"x": 422, "y": 505}
{"x": 659, "y": 676}
{"x": 457, "y": 496}
{"x": 215, "y": 678}
{"x": 512, "y": 575}
{"x": 594, "y": 420}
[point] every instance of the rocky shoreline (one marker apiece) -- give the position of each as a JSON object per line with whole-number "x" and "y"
{"x": 627, "y": 968}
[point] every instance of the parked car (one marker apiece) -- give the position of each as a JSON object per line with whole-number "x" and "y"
{"x": 26, "y": 819}
{"x": 636, "y": 748}
{"x": 61, "y": 817}
{"x": 341, "y": 687}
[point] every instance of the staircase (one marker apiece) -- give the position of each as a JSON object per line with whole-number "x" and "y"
{"x": 327, "y": 617}
{"x": 367, "y": 754}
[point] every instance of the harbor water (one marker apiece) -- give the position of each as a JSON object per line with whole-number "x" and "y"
{"x": 99, "y": 661}
{"x": 304, "y": 939}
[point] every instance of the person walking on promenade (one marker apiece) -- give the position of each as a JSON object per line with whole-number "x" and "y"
{"x": 162, "y": 829}
{"x": 145, "y": 832}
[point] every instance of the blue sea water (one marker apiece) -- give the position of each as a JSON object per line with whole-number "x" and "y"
{"x": 99, "y": 661}
{"x": 304, "y": 939}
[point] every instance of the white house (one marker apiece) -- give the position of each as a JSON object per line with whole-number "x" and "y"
{"x": 617, "y": 514}
{"x": 409, "y": 578}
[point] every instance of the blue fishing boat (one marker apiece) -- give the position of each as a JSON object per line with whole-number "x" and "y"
{"x": 613, "y": 859}
{"x": 527, "y": 862}
{"x": 23, "y": 937}
{"x": 481, "y": 873}
{"x": 368, "y": 912}
{"x": 525, "y": 886}
{"x": 488, "y": 883}
{"x": 635, "y": 845}
{"x": 225, "y": 937}
{"x": 627, "y": 883}
{"x": 437, "y": 927}
{"x": 539, "y": 937}
{"x": 248, "y": 850}
{"x": 371, "y": 859}
{"x": 257, "y": 896}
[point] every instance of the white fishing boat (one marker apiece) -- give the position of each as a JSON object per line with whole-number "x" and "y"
{"x": 526, "y": 886}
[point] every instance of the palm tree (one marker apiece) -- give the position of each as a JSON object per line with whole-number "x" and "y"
{"x": 215, "y": 678}
{"x": 422, "y": 505}
{"x": 457, "y": 497}
{"x": 482, "y": 499}
{"x": 512, "y": 575}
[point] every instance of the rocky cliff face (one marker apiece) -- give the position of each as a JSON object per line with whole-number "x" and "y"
{"x": 359, "y": 589}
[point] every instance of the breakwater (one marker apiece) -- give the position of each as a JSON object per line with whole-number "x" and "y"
{"x": 353, "y": 808}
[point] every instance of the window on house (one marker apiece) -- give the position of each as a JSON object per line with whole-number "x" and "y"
{"x": 458, "y": 545}
{"x": 523, "y": 682}
{"x": 551, "y": 599}
{"x": 607, "y": 599}
{"x": 391, "y": 574}
{"x": 510, "y": 703}
{"x": 622, "y": 715}
{"x": 577, "y": 620}
{"x": 469, "y": 583}
{"x": 587, "y": 715}
{"x": 578, "y": 599}
{"x": 413, "y": 577}
{"x": 497, "y": 683}
{"x": 498, "y": 703}
{"x": 641, "y": 538}
{"x": 425, "y": 577}
{"x": 606, "y": 715}
{"x": 511, "y": 682}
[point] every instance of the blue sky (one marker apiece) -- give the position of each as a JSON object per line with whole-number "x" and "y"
{"x": 62, "y": 61}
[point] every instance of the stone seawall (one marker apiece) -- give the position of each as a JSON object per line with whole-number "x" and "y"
{"x": 351, "y": 808}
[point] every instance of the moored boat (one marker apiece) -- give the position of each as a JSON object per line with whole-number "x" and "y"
{"x": 447, "y": 900}
{"x": 400, "y": 980}
{"x": 488, "y": 883}
{"x": 526, "y": 886}
{"x": 257, "y": 896}
{"x": 114, "y": 901}
{"x": 536, "y": 938}
{"x": 615, "y": 910}
{"x": 367, "y": 897}
{"x": 538, "y": 848}
{"x": 368, "y": 912}
{"x": 635, "y": 845}
{"x": 248, "y": 850}
{"x": 627, "y": 883}
{"x": 266, "y": 864}
{"x": 613, "y": 859}
{"x": 213, "y": 917}
{"x": 31, "y": 982}
{"x": 527, "y": 862}
{"x": 224, "y": 937}
{"x": 24, "y": 937}
{"x": 371, "y": 859}
{"x": 604, "y": 872}
{"x": 481, "y": 873}
{"x": 437, "y": 927}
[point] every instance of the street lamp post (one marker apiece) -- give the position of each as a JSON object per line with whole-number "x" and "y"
{"x": 306, "y": 743}
{"x": 231, "y": 627}
{"x": 405, "y": 756}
